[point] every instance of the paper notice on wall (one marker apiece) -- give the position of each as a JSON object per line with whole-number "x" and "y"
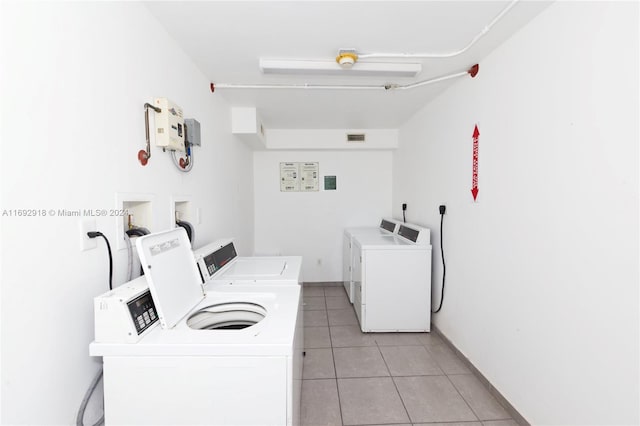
{"x": 309, "y": 179}
{"x": 289, "y": 177}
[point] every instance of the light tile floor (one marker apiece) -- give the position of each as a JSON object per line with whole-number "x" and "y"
{"x": 355, "y": 378}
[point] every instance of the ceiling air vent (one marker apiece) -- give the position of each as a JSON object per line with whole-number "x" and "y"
{"x": 355, "y": 137}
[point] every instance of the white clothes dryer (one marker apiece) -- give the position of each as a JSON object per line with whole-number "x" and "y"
{"x": 219, "y": 264}
{"x": 392, "y": 281}
{"x": 228, "y": 356}
{"x": 387, "y": 227}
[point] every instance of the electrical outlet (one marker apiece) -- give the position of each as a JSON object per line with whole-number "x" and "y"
{"x": 443, "y": 209}
{"x": 86, "y": 243}
{"x": 404, "y": 206}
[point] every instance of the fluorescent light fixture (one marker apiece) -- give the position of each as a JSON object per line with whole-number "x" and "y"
{"x": 370, "y": 69}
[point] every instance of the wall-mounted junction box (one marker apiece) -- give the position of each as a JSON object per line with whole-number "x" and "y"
{"x": 192, "y": 129}
{"x": 169, "y": 125}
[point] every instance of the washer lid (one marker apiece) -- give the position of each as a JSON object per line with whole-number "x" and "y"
{"x": 171, "y": 273}
{"x": 255, "y": 267}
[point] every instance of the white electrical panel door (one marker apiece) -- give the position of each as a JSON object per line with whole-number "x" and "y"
{"x": 169, "y": 125}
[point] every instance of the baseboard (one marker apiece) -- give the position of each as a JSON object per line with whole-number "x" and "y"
{"x": 495, "y": 392}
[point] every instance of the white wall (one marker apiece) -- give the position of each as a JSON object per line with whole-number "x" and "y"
{"x": 542, "y": 273}
{"x": 335, "y": 139}
{"x": 311, "y": 224}
{"x": 75, "y": 77}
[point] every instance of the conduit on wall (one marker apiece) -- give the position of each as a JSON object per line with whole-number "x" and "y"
{"x": 473, "y": 71}
{"x": 145, "y": 154}
{"x": 451, "y": 54}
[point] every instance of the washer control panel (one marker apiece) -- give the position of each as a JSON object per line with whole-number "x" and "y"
{"x": 143, "y": 312}
{"x": 125, "y": 314}
{"x": 212, "y": 257}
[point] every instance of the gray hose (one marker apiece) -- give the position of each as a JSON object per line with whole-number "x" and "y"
{"x": 130, "y": 257}
{"x": 177, "y": 163}
{"x": 85, "y": 401}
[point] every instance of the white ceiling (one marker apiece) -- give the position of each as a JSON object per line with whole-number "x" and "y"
{"x": 226, "y": 39}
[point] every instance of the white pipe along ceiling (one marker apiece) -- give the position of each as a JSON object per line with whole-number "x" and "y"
{"x": 473, "y": 41}
{"x": 307, "y": 64}
{"x": 473, "y": 71}
{"x": 347, "y": 59}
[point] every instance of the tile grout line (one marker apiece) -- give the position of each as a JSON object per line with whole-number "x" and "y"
{"x": 464, "y": 399}
{"x": 378, "y": 377}
{"x": 511, "y": 410}
{"x": 395, "y": 385}
{"x": 333, "y": 359}
{"x": 451, "y": 382}
{"x": 427, "y": 347}
{"x": 435, "y": 359}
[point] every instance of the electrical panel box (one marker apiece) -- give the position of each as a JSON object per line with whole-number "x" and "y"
{"x": 169, "y": 125}
{"x": 192, "y": 131}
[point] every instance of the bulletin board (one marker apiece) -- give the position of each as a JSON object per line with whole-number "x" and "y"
{"x": 309, "y": 180}
{"x": 299, "y": 177}
{"x": 289, "y": 177}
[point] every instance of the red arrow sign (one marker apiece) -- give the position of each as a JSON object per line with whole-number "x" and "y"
{"x": 474, "y": 180}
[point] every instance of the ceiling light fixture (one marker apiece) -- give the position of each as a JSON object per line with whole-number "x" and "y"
{"x": 346, "y": 58}
{"x": 344, "y": 65}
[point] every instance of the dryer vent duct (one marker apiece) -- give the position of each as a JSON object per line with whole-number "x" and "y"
{"x": 356, "y": 137}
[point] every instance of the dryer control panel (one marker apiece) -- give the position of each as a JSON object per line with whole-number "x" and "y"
{"x": 389, "y": 225}
{"x": 416, "y": 234}
{"x": 125, "y": 314}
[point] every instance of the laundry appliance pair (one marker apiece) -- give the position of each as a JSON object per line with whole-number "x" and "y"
{"x": 220, "y": 343}
{"x": 386, "y": 227}
{"x": 387, "y": 274}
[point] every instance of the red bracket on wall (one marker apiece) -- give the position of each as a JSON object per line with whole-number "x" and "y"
{"x": 473, "y": 71}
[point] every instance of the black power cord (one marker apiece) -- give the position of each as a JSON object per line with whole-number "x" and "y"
{"x": 187, "y": 227}
{"x": 443, "y": 209}
{"x": 96, "y": 379}
{"x": 100, "y": 234}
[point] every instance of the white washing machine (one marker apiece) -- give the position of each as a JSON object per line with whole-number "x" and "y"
{"x": 219, "y": 264}
{"x": 228, "y": 356}
{"x": 387, "y": 227}
{"x": 392, "y": 281}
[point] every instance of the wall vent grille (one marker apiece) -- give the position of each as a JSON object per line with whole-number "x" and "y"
{"x": 356, "y": 137}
